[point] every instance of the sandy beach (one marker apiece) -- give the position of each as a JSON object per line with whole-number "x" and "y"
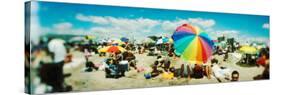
{"x": 95, "y": 80}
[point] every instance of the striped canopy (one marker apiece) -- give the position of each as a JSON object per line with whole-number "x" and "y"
{"x": 192, "y": 44}
{"x": 112, "y": 49}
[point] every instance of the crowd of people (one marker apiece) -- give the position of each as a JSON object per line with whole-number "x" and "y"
{"x": 115, "y": 64}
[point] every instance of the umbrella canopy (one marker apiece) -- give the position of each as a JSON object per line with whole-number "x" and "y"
{"x": 112, "y": 49}
{"x": 148, "y": 40}
{"x": 162, "y": 40}
{"x": 171, "y": 40}
{"x": 192, "y": 44}
{"x": 248, "y": 50}
{"x": 76, "y": 39}
{"x": 89, "y": 37}
{"x": 124, "y": 39}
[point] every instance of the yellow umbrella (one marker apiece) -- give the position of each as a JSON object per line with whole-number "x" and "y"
{"x": 171, "y": 40}
{"x": 89, "y": 37}
{"x": 103, "y": 49}
{"x": 112, "y": 49}
{"x": 248, "y": 50}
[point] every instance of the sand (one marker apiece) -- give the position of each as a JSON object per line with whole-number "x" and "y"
{"x": 86, "y": 81}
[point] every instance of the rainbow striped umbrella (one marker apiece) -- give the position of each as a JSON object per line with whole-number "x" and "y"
{"x": 192, "y": 44}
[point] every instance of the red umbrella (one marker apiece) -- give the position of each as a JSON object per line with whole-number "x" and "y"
{"x": 114, "y": 49}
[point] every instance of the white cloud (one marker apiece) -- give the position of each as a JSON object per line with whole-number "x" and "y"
{"x": 140, "y": 24}
{"x": 66, "y": 28}
{"x": 112, "y": 26}
{"x": 206, "y": 23}
{"x": 128, "y": 24}
{"x": 63, "y": 26}
{"x": 227, "y": 33}
{"x": 93, "y": 19}
{"x": 139, "y": 28}
{"x": 265, "y": 26}
{"x": 107, "y": 26}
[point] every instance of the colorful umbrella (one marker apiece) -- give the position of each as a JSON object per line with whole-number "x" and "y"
{"x": 192, "y": 44}
{"x": 248, "y": 50}
{"x": 112, "y": 49}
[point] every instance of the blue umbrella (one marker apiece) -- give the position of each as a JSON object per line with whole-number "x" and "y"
{"x": 124, "y": 39}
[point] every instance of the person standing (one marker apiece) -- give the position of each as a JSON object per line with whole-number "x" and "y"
{"x": 52, "y": 74}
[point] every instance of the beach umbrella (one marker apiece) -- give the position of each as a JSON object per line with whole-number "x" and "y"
{"x": 89, "y": 37}
{"x": 76, "y": 39}
{"x": 148, "y": 40}
{"x": 102, "y": 41}
{"x": 162, "y": 40}
{"x": 192, "y": 44}
{"x": 124, "y": 39}
{"x": 103, "y": 49}
{"x": 248, "y": 50}
{"x": 112, "y": 49}
{"x": 171, "y": 40}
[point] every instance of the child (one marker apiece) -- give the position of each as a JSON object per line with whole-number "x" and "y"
{"x": 155, "y": 72}
{"x": 235, "y": 76}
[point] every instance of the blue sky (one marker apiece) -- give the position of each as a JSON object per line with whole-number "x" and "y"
{"x": 67, "y": 17}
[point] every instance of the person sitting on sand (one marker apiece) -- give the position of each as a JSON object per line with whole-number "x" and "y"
{"x": 119, "y": 56}
{"x": 220, "y": 72}
{"x": 139, "y": 49}
{"x": 185, "y": 71}
{"x": 111, "y": 69}
{"x": 155, "y": 72}
{"x": 89, "y": 65}
{"x": 265, "y": 73}
{"x": 197, "y": 71}
{"x": 131, "y": 58}
{"x": 160, "y": 61}
{"x": 173, "y": 70}
{"x": 234, "y": 76}
{"x": 122, "y": 67}
{"x": 166, "y": 63}
{"x": 156, "y": 63}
